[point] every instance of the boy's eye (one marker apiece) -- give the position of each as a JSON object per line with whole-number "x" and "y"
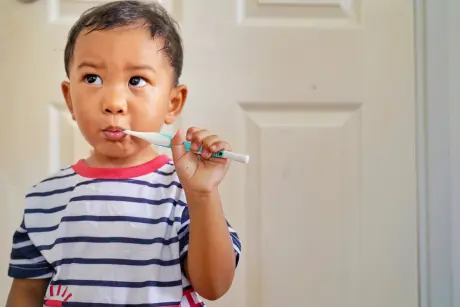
{"x": 137, "y": 81}
{"x": 93, "y": 79}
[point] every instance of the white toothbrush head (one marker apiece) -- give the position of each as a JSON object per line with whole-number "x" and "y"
{"x": 154, "y": 138}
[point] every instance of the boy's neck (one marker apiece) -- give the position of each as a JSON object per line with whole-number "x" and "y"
{"x": 98, "y": 160}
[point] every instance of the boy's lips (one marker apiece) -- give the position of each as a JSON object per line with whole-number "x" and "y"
{"x": 114, "y": 133}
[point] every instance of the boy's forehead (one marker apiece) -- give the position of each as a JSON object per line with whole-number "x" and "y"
{"x": 121, "y": 44}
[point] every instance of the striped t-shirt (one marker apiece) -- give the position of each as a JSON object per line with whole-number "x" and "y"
{"x": 108, "y": 237}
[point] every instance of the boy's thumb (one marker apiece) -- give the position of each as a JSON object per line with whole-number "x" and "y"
{"x": 177, "y": 145}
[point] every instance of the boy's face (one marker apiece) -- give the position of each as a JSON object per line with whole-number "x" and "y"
{"x": 120, "y": 79}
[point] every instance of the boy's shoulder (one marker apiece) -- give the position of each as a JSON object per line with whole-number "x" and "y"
{"x": 54, "y": 184}
{"x": 63, "y": 176}
{"x": 167, "y": 169}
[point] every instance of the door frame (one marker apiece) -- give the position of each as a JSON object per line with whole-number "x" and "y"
{"x": 437, "y": 48}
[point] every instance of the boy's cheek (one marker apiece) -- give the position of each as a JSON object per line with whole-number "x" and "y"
{"x": 148, "y": 112}
{"x": 146, "y": 122}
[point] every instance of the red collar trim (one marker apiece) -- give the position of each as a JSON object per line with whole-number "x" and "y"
{"x": 85, "y": 170}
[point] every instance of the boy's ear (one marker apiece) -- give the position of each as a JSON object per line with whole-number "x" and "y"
{"x": 65, "y": 87}
{"x": 176, "y": 103}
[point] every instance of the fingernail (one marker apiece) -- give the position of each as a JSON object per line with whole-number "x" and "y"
{"x": 213, "y": 148}
{"x": 195, "y": 146}
{"x": 189, "y": 137}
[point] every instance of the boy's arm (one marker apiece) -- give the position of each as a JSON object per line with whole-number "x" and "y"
{"x": 212, "y": 246}
{"x": 30, "y": 271}
{"x": 27, "y": 292}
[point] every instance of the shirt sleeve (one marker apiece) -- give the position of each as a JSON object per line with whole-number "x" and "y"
{"x": 26, "y": 261}
{"x": 183, "y": 234}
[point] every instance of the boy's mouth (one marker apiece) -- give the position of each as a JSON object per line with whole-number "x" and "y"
{"x": 114, "y": 133}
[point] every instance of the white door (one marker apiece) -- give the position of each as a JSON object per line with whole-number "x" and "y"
{"x": 320, "y": 94}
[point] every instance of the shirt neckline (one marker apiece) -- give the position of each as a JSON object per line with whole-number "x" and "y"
{"x": 153, "y": 165}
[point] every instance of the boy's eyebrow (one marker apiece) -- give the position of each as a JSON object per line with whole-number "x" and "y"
{"x": 88, "y": 64}
{"x": 129, "y": 66}
{"x": 140, "y": 67}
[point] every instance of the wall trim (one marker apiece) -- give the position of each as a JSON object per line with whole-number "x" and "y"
{"x": 437, "y": 47}
{"x": 420, "y": 96}
{"x": 453, "y": 17}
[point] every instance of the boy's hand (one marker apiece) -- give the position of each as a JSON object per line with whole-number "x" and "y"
{"x": 199, "y": 174}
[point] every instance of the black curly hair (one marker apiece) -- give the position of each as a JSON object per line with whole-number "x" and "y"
{"x": 124, "y": 13}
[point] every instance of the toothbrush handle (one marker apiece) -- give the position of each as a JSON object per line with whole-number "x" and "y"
{"x": 221, "y": 154}
{"x": 188, "y": 147}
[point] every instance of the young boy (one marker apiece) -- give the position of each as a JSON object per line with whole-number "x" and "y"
{"x": 126, "y": 226}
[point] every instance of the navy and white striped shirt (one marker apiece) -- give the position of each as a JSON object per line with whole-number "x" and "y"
{"x": 108, "y": 237}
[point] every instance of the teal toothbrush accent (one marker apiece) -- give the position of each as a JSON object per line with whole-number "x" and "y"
{"x": 188, "y": 147}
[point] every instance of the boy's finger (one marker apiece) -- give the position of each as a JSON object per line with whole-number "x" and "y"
{"x": 209, "y": 140}
{"x": 198, "y": 137}
{"x": 190, "y": 132}
{"x": 220, "y": 145}
{"x": 177, "y": 145}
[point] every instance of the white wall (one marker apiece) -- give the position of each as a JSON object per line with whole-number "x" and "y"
{"x": 6, "y": 188}
{"x": 3, "y": 92}
{"x": 438, "y": 44}
{"x": 3, "y": 89}
{"x": 3, "y": 28}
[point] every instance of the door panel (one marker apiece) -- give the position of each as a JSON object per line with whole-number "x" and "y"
{"x": 320, "y": 94}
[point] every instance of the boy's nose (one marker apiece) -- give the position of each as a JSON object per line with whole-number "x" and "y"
{"x": 115, "y": 109}
{"x": 115, "y": 104}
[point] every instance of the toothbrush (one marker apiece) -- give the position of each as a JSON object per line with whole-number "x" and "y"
{"x": 164, "y": 140}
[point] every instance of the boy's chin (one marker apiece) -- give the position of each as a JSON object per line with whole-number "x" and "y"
{"x": 114, "y": 152}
